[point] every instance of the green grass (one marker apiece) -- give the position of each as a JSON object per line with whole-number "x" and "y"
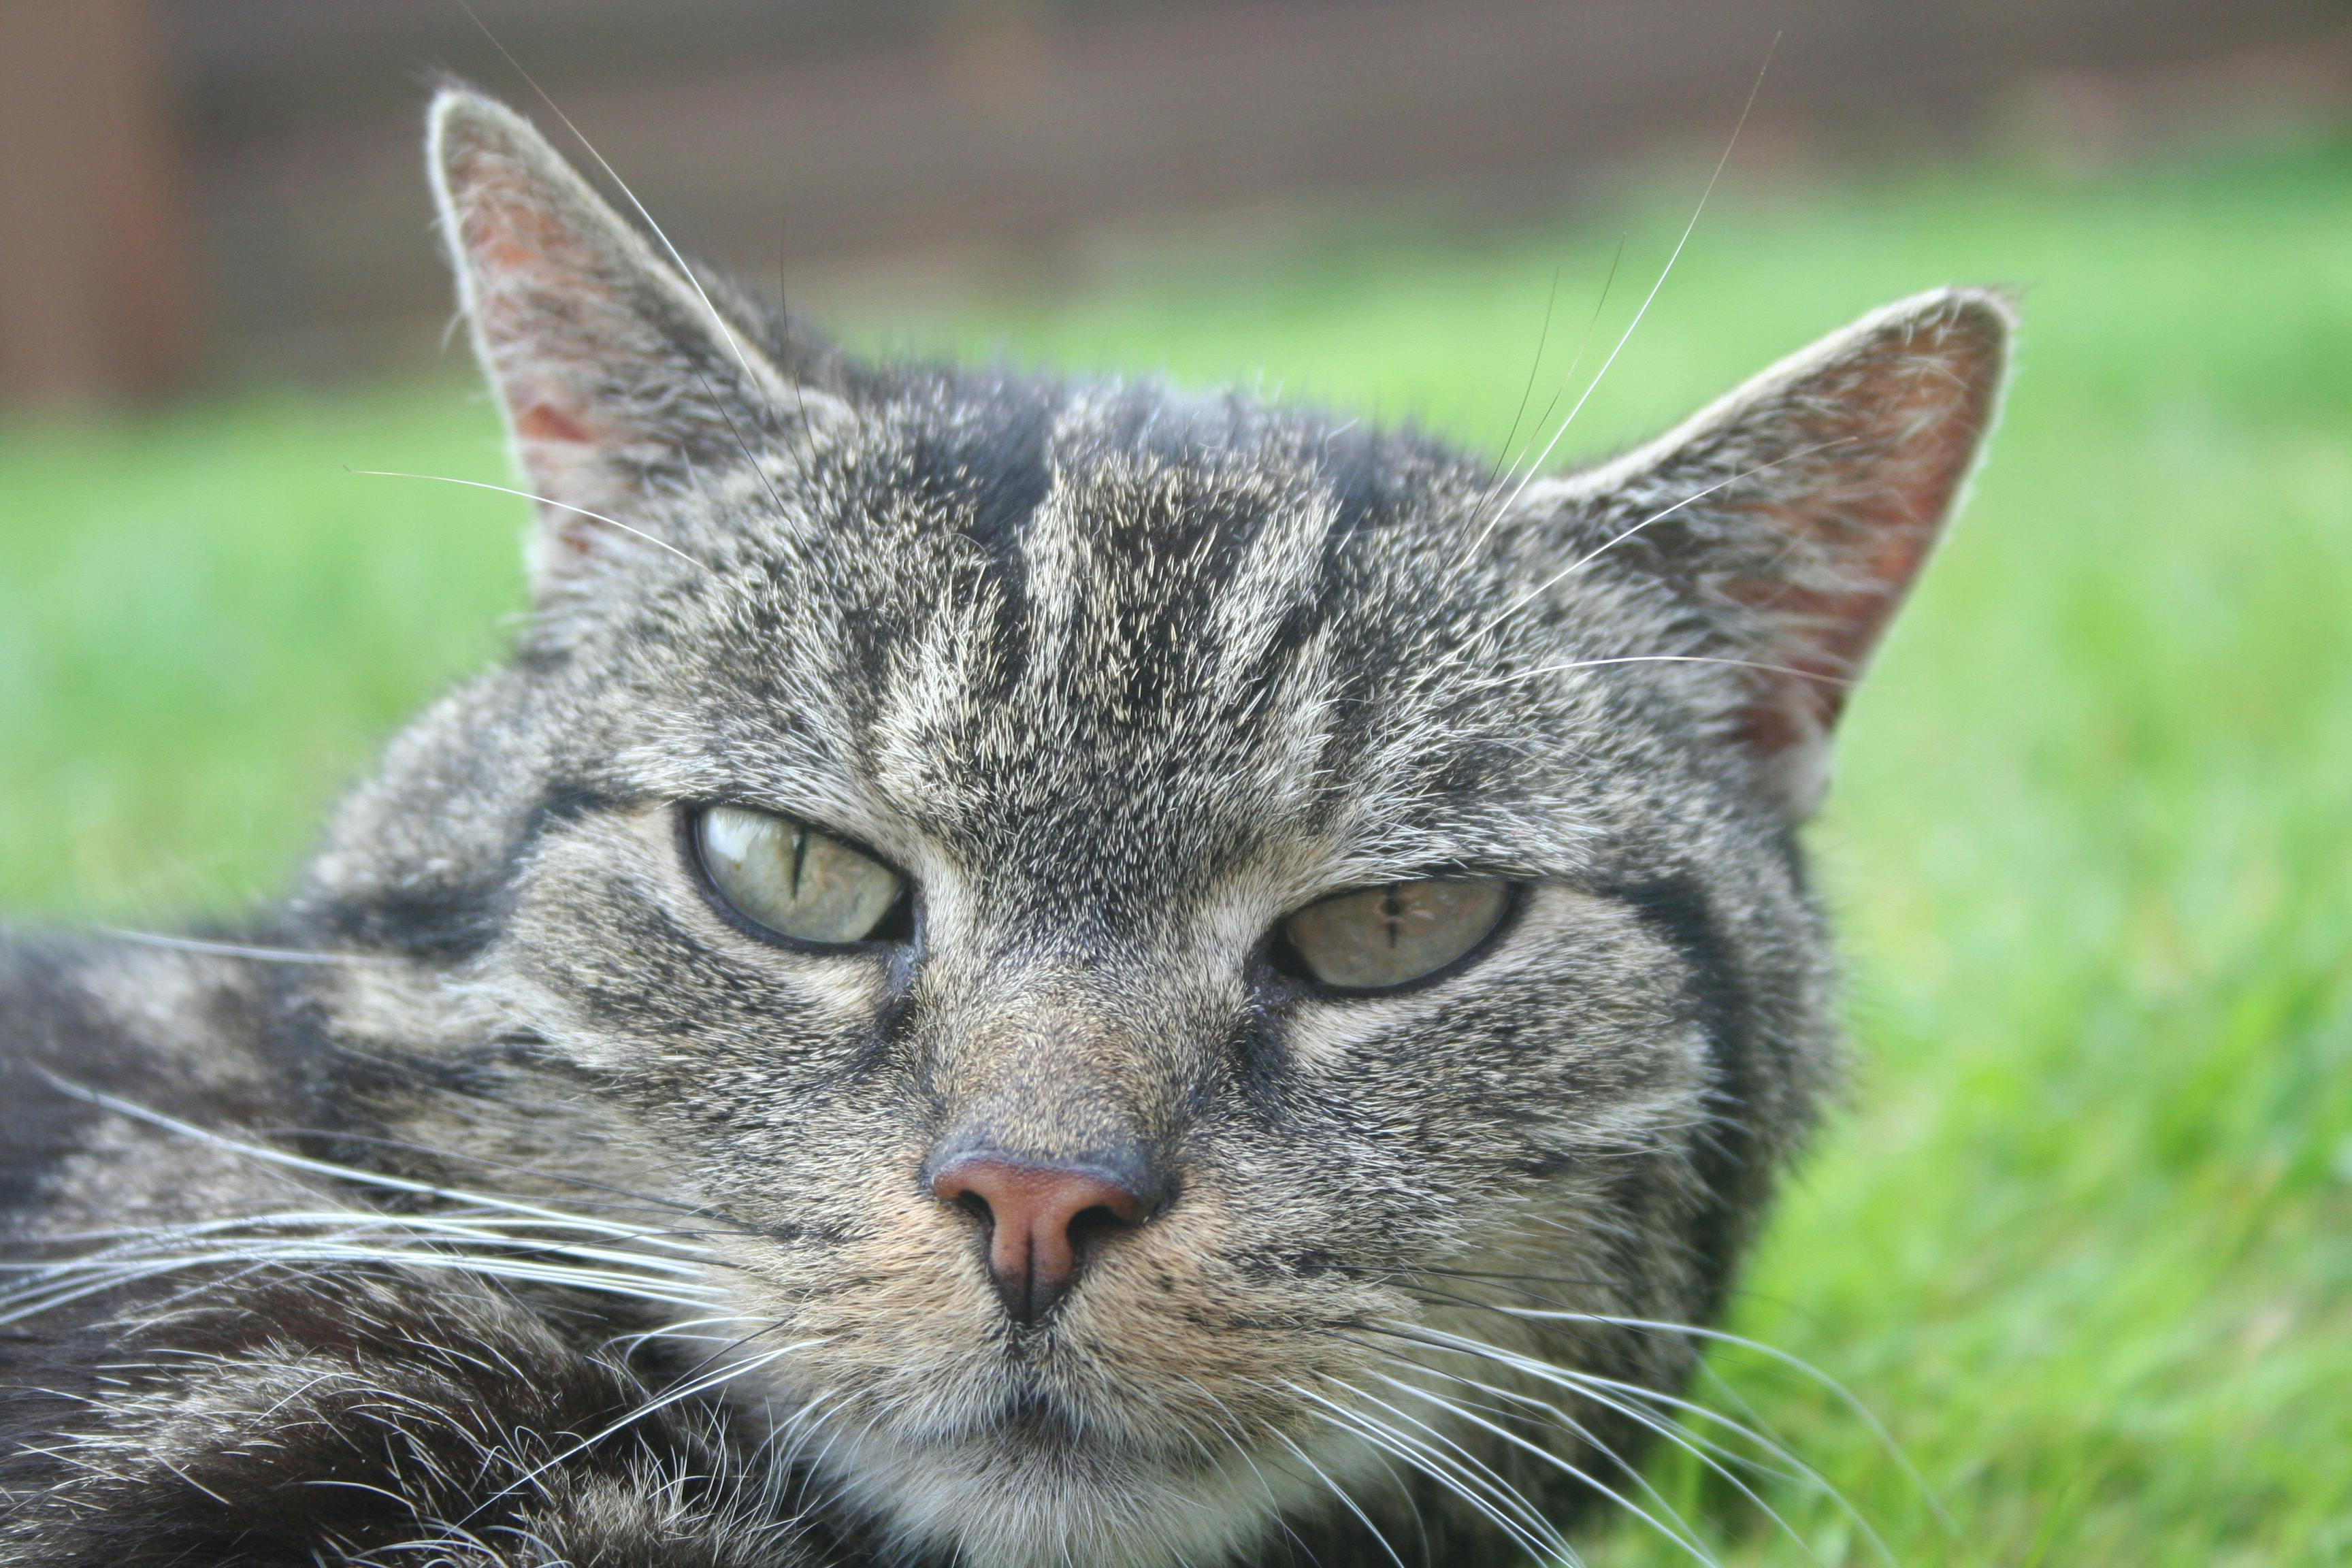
{"x": 2084, "y": 1240}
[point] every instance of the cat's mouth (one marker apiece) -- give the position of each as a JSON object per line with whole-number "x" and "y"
{"x": 1045, "y": 1425}
{"x": 1028, "y": 1417}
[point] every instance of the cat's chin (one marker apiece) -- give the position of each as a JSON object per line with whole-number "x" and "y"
{"x": 1036, "y": 1487}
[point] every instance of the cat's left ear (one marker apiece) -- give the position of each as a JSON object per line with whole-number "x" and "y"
{"x": 1792, "y": 517}
{"x": 617, "y": 372}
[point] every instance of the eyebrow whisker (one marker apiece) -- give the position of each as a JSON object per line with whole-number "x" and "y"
{"x": 543, "y": 500}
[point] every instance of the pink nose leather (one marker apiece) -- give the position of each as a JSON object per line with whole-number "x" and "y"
{"x": 1039, "y": 1218}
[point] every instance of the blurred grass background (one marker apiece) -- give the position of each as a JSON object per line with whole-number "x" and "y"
{"x": 2082, "y": 1241}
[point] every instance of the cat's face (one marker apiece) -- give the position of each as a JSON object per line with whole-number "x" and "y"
{"x": 1076, "y": 1199}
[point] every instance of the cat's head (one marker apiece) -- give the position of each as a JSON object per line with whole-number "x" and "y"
{"x": 1144, "y": 925}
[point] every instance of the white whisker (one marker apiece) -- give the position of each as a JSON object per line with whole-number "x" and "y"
{"x": 685, "y": 272}
{"x": 1664, "y": 273}
{"x": 1346, "y": 1501}
{"x": 1716, "y": 1456}
{"x": 652, "y": 1407}
{"x": 1502, "y": 470}
{"x": 1580, "y": 563}
{"x": 1471, "y": 1481}
{"x": 1471, "y": 1464}
{"x": 348, "y": 1223}
{"x": 543, "y": 500}
{"x": 1615, "y": 1393}
{"x": 1718, "y": 1336}
{"x": 1516, "y": 675}
{"x": 242, "y": 950}
{"x": 63, "y": 1289}
{"x": 1227, "y": 1425}
{"x": 1678, "y": 1532}
{"x": 1415, "y": 1456}
{"x": 678, "y": 1330}
{"x": 1543, "y": 338}
{"x": 356, "y": 1175}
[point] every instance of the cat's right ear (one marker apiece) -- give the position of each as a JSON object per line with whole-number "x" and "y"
{"x": 616, "y": 372}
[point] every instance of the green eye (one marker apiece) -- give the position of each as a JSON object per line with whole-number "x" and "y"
{"x": 1374, "y": 938}
{"x": 791, "y": 879}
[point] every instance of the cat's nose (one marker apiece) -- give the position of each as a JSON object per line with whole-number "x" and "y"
{"x": 1042, "y": 1218}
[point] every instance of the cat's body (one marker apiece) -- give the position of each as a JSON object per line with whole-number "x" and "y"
{"x": 521, "y": 1199}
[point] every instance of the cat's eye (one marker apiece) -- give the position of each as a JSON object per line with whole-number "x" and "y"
{"x": 1371, "y": 938}
{"x": 790, "y": 879}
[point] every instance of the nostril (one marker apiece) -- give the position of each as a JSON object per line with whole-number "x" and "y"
{"x": 976, "y": 1207}
{"x": 1088, "y": 1224}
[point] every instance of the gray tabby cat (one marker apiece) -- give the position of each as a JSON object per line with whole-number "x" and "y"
{"x": 1012, "y": 972}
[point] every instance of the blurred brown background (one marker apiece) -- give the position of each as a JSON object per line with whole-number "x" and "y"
{"x": 199, "y": 190}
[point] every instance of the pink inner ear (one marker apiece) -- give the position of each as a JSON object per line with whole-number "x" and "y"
{"x": 544, "y": 422}
{"x": 1897, "y": 430}
{"x": 1828, "y": 633}
{"x": 560, "y": 450}
{"x": 536, "y": 276}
